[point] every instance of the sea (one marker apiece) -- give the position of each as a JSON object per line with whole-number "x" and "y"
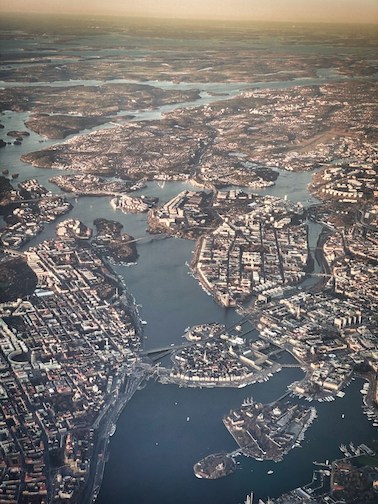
{"x": 164, "y": 430}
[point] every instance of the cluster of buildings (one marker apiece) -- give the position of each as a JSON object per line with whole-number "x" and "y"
{"x": 66, "y": 352}
{"x": 74, "y": 229}
{"x": 330, "y": 336}
{"x": 225, "y": 165}
{"x": 88, "y": 184}
{"x": 268, "y": 431}
{"x": 234, "y": 142}
{"x": 30, "y": 207}
{"x": 350, "y": 479}
{"x": 219, "y": 358}
{"x": 357, "y": 280}
{"x": 187, "y": 214}
{"x": 361, "y": 242}
{"x": 249, "y": 245}
{"x": 132, "y": 204}
{"x": 153, "y": 150}
{"x": 286, "y": 129}
{"x": 347, "y": 183}
{"x": 258, "y": 249}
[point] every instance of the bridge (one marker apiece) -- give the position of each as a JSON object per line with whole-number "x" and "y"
{"x": 36, "y": 200}
{"x": 164, "y": 350}
{"x": 11, "y": 252}
{"x": 157, "y": 352}
{"x": 324, "y": 275}
{"x": 148, "y": 238}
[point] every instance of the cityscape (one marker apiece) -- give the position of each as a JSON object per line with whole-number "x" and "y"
{"x": 188, "y": 261}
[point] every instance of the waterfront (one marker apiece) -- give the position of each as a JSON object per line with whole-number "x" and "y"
{"x": 139, "y": 468}
{"x": 153, "y": 450}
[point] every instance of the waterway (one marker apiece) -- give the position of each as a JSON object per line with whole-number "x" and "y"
{"x": 154, "y": 448}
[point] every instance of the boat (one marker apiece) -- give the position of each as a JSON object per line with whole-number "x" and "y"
{"x": 342, "y": 415}
{"x": 249, "y": 499}
{"x": 112, "y": 430}
{"x": 248, "y": 402}
{"x": 187, "y": 419}
{"x": 270, "y": 472}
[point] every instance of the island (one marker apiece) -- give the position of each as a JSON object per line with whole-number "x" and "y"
{"x": 92, "y": 185}
{"x": 110, "y": 242}
{"x": 215, "y": 466}
{"x": 268, "y": 431}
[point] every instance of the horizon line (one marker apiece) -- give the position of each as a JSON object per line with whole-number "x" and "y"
{"x": 158, "y": 17}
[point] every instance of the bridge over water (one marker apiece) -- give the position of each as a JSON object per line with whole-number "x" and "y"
{"x": 174, "y": 347}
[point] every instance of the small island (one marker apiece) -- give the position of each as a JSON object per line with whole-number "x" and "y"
{"x": 110, "y": 242}
{"x": 18, "y": 134}
{"x": 215, "y": 466}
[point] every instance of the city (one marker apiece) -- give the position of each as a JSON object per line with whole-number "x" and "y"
{"x": 240, "y": 185}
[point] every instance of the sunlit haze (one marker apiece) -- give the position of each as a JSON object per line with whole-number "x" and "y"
{"x": 358, "y": 11}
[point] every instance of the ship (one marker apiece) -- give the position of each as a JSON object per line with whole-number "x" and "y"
{"x": 248, "y": 402}
{"x": 112, "y": 429}
{"x": 344, "y": 450}
{"x": 249, "y": 499}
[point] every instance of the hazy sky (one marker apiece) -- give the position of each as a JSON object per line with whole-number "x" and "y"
{"x": 275, "y": 10}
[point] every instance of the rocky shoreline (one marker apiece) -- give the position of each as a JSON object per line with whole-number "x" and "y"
{"x": 109, "y": 241}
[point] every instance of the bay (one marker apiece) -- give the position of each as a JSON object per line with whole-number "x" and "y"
{"x": 154, "y": 448}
